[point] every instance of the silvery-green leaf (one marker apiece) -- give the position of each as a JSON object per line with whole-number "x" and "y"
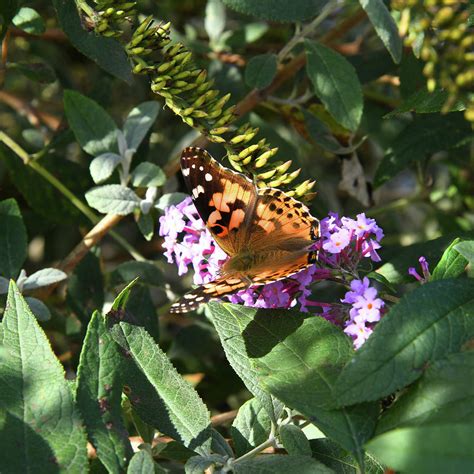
{"x": 44, "y": 277}
{"x": 113, "y": 199}
{"x": 3, "y": 285}
{"x": 139, "y": 121}
{"x": 38, "y": 308}
{"x": 148, "y": 174}
{"x": 214, "y": 21}
{"x": 103, "y": 166}
{"x": 170, "y": 199}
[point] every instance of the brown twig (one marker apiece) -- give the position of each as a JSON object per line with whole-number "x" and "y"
{"x": 35, "y": 117}
{"x": 54, "y": 35}
{"x": 223, "y": 418}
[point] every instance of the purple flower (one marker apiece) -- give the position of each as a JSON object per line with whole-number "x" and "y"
{"x": 359, "y": 332}
{"x": 338, "y": 241}
{"x": 425, "y": 269}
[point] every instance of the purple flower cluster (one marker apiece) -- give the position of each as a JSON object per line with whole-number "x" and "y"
{"x": 343, "y": 244}
{"x": 188, "y": 242}
{"x": 365, "y": 311}
{"x": 425, "y": 270}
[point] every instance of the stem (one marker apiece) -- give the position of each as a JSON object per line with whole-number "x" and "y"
{"x": 266, "y": 444}
{"x": 307, "y": 30}
{"x": 398, "y": 204}
{"x": 25, "y": 157}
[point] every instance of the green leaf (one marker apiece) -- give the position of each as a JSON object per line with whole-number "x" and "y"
{"x": 261, "y": 70}
{"x": 291, "y": 350}
{"x": 93, "y": 127}
{"x": 338, "y": 459}
{"x": 444, "y": 394}
{"x": 43, "y": 277}
{"x": 160, "y": 396}
{"x": 38, "y": 308}
{"x": 102, "y": 166}
{"x": 451, "y": 265}
{"x": 40, "y": 425}
{"x": 295, "y": 441}
{"x": 85, "y": 289}
{"x": 251, "y": 427}
{"x": 200, "y": 464}
{"x": 230, "y": 321}
{"x": 170, "y": 199}
{"x": 425, "y": 102}
{"x": 148, "y": 273}
{"x": 139, "y": 121}
{"x": 385, "y": 26}
{"x": 13, "y": 239}
{"x": 426, "y": 325}
{"x": 466, "y": 249}
{"x": 141, "y": 463}
{"x": 113, "y": 199}
{"x": 142, "y": 307}
{"x": 427, "y": 134}
{"x": 99, "y": 391}
{"x": 427, "y": 449}
{"x": 108, "y": 53}
{"x": 336, "y": 83}
{"x": 278, "y": 10}
{"x": 400, "y": 259}
{"x": 280, "y": 464}
{"x": 214, "y": 21}
{"x": 295, "y": 357}
{"x": 148, "y": 174}
{"x": 146, "y": 224}
{"x": 29, "y": 20}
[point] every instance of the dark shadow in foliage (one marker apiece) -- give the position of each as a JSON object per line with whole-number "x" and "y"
{"x": 258, "y": 333}
{"x": 14, "y": 458}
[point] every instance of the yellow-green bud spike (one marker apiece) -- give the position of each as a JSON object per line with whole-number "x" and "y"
{"x": 216, "y": 139}
{"x": 267, "y": 174}
{"x": 237, "y": 139}
{"x": 199, "y": 114}
{"x": 283, "y": 168}
{"x": 219, "y": 131}
{"x": 249, "y": 150}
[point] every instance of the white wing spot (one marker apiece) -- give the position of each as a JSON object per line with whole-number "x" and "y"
{"x": 201, "y": 168}
{"x": 208, "y": 177}
{"x": 193, "y": 166}
{"x": 186, "y": 171}
{"x": 198, "y": 190}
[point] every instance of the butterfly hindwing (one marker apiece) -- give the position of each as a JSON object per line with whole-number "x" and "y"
{"x": 224, "y": 199}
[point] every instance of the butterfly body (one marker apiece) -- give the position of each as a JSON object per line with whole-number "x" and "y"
{"x": 267, "y": 234}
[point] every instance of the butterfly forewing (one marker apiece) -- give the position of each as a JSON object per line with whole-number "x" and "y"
{"x": 224, "y": 199}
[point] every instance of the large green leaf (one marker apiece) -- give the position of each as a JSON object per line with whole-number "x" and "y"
{"x": 99, "y": 393}
{"x": 428, "y": 134}
{"x": 296, "y": 357}
{"x": 160, "y": 396}
{"x": 443, "y": 448}
{"x": 336, "y": 83}
{"x": 385, "y": 26}
{"x": 13, "y": 240}
{"x": 40, "y": 425}
{"x": 444, "y": 394}
{"x": 108, "y": 53}
{"x": 230, "y": 321}
{"x": 93, "y": 127}
{"x": 261, "y": 70}
{"x": 426, "y": 325}
{"x": 278, "y": 10}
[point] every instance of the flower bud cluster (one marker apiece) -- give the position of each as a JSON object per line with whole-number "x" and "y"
{"x": 110, "y": 16}
{"x": 442, "y": 33}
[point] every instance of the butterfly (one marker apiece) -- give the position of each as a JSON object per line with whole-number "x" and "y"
{"x": 267, "y": 234}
